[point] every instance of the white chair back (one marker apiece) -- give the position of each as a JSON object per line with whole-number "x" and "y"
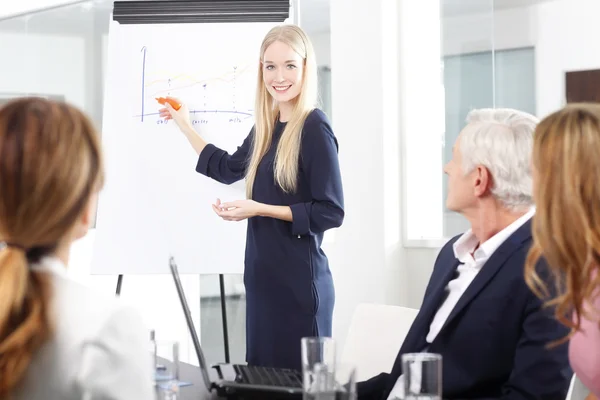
{"x": 375, "y": 336}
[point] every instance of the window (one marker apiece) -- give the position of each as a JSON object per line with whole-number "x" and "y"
{"x": 468, "y": 84}
{"x": 456, "y": 66}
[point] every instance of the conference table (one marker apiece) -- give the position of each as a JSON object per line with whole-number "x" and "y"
{"x": 197, "y": 391}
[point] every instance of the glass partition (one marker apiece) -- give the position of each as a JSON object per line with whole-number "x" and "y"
{"x": 480, "y": 71}
{"x": 468, "y": 61}
{"x": 57, "y": 54}
{"x": 482, "y": 66}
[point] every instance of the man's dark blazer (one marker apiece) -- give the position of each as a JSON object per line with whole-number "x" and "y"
{"x": 494, "y": 342}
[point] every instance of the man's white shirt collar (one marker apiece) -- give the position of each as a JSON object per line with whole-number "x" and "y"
{"x": 465, "y": 245}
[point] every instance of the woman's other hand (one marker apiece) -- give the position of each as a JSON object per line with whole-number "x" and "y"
{"x": 237, "y": 210}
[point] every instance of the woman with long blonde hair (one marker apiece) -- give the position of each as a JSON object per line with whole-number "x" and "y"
{"x": 58, "y": 339}
{"x": 566, "y": 229}
{"x": 294, "y": 194}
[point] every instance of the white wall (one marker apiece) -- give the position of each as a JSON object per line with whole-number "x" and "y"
{"x": 419, "y": 265}
{"x": 567, "y": 40}
{"x": 367, "y": 253}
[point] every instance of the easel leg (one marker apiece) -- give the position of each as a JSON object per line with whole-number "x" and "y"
{"x": 119, "y": 283}
{"x": 224, "y": 315}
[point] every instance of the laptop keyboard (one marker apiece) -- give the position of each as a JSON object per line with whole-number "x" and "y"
{"x": 269, "y": 376}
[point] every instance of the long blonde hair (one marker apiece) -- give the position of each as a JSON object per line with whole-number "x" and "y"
{"x": 566, "y": 226}
{"x": 50, "y": 164}
{"x": 266, "y": 111}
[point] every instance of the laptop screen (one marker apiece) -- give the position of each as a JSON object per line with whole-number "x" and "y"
{"x": 190, "y": 323}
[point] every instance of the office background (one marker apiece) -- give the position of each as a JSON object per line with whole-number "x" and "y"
{"x": 396, "y": 103}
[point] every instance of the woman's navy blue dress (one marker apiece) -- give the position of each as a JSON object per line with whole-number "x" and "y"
{"x": 289, "y": 288}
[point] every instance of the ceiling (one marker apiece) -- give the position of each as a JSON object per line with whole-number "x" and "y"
{"x": 314, "y": 15}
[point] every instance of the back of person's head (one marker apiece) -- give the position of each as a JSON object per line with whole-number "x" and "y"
{"x": 50, "y": 172}
{"x": 566, "y": 227}
{"x": 266, "y": 110}
{"x": 501, "y": 140}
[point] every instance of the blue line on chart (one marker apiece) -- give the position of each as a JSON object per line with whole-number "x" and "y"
{"x": 203, "y": 112}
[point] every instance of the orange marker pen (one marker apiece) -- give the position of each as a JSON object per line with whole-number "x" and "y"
{"x": 173, "y": 103}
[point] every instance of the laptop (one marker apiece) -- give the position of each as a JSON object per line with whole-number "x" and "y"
{"x": 239, "y": 379}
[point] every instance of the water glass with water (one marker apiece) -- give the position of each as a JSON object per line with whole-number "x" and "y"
{"x": 318, "y": 361}
{"x": 345, "y": 381}
{"x": 422, "y": 374}
{"x": 167, "y": 369}
{"x": 340, "y": 385}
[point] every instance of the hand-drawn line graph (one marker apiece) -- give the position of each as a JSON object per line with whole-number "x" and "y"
{"x": 225, "y": 94}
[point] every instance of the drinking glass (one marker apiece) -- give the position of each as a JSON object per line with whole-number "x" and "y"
{"x": 167, "y": 369}
{"x": 318, "y": 361}
{"x": 422, "y": 374}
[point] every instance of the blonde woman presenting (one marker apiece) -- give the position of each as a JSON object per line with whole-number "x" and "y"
{"x": 294, "y": 194}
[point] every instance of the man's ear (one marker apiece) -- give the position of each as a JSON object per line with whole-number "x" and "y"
{"x": 483, "y": 181}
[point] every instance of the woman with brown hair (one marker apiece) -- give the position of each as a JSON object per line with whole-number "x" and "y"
{"x": 58, "y": 340}
{"x": 566, "y": 229}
